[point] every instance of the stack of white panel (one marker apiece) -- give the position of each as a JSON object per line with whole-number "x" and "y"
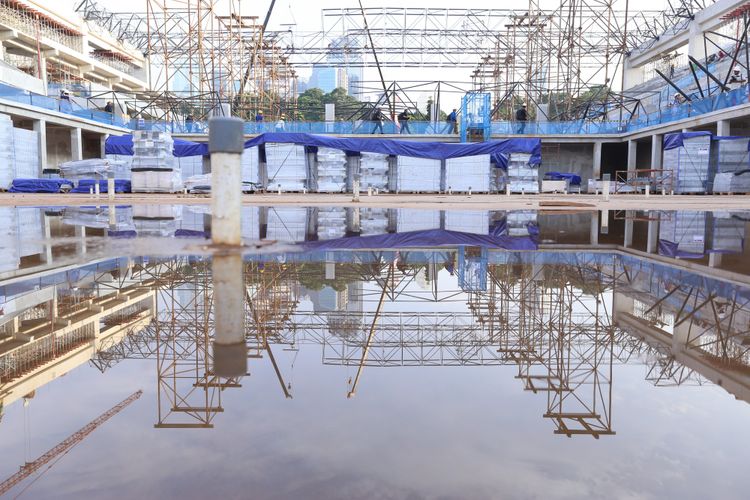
{"x": 408, "y": 219}
{"x": 522, "y": 176}
{"x": 10, "y": 259}
{"x": 373, "y": 172}
{"x": 98, "y": 217}
{"x": 154, "y": 168}
{"x": 95, "y": 168}
{"x": 286, "y": 165}
{"x": 7, "y": 172}
{"x": 730, "y": 155}
{"x": 687, "y": 229}
{"x": 517, "y": 222}
{"x": 26, "y": 162}
{"x": 727, "y": 234}
{"x": 251, "y": 223}
{"x": 468, "y": 173}
{"x": 690, "y": 164}
{"x": 190, "y": 166}
{"x": 31, "y": 231}
{"x": 373, "y": 221}
{"x": 250, "y": 165}
{"x": 331, "y": 173}
{"x": 331, "y": 223}
{"x": 156, "y": 220}
{"x": 286, "y": 224}
{"x": 126, "y": 161}
{"x": 418, "y": 174}
{"x": 476, "y": 222}
{"x": 192, "y": 219}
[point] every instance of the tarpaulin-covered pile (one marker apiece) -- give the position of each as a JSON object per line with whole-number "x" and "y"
{"x": 39, "y": 185}
{"x": 85, "y": 185}
{"x": 123, "y": 145}
{"x": 575, "y": 179}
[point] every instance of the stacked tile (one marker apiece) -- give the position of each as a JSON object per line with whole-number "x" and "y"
{"x": 190, "y": 166}
{"x": 26, "y": 162}
{"x": 286, "y": 165}
{"x": 250, "y": 223}
{"x": 331, "y": 223}
{"x": 522, "y": 176}
{"x": 687, "y": 229}
{"x": 10, "y": 258}
{"x": 331, "y": 171}
{"x": 418, "y": 174}
{"x": 156, "y": 220}
{"x": 373, "y": 172}
{"x": 95, "y": 168}
{"x": 476, "y": 222}
{"x": 409, "y": 219}
{"x": 250, "y": 165}
{"x": 98, "y": 217}
{"x": 373, "y": 221}
{"x": 154, "y": 169}
{"x": 727, "y": 233}
{"x": 690, "y": 164}
{"x": 286, "y": 224}
{"x": 728, "y": 156}
{"x": 468, "y": 173}
{"x": 7, "y": 172}
{"x": 518, "y": 221}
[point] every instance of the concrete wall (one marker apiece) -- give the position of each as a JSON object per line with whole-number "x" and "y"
{"x": 614, "y": 157}
{"x": 91, "y": 145}
{"x": 643, "y": 155}
{"x": 11, "y": 76}
{"x": 578, "y": 158}
{"x": 58, "y": 146}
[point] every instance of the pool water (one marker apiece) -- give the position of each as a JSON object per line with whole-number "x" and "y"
{"x": 385, "y": 353}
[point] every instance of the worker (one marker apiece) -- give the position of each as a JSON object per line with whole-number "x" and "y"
{"x": 403, "y": 121}
{"x": 281, "y": 124}
{"x": 736, "y": 79}
{"x": 521, "y": 117}
{"x": 378, "y": 118}
{"x": 189, "y": 120}
{"x": 677, "y": 99}
{"x": 65, "y": 105}
{"x": 452, "y": 120}
{"x": 109, "y": 107}
{"x": 259, "y": 116}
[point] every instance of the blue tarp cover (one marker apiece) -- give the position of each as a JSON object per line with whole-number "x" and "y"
{"x": 674, "y": 140}
{"x": 575, "y": 179}
{"x": 499, "y": 150}
{"x": 420, "y": 239}
{"x": 38, "y": 185}
{"x": 123, "y": 145}
{"x": 121, "y": 186}
{"x": 671, "y": 249}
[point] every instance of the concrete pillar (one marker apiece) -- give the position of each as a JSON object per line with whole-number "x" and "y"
{"x": 40, "y": 127}
{"x": 632, "y": 154}
{"x": 723, "y": 128}
{"x": 47, "y": 239}
{"x": 629, "y": 223}
{"x": 652, "y": 241}
{"x": 103, "y": 146}
{"x": 714, "y": 259}
{"x": 696, "y": 48}
{"x": 76, "y": 144}
{"x": 594, "y": 237}
{"x": 597, "y": 170}
{"x": 656, "y": 151}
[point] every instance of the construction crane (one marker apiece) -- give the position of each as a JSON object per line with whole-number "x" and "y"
{"x": 65, "y": 446}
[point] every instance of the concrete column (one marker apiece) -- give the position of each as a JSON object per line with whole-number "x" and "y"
{"x": 714, "y": 259}
{"x": 629, "y": 223}
{"x": 723, "y": 128}
{"x": 103, "y": 147}
{"x": 597, "y": 169}
{"x": 76, "y": 144}
{"x": 632, "y": 154}
{"x": 47, "y": 239}
{"x": 652, "y": 241}
{"x": 656, "y": 151}
{"x": 594, "y": 238}
{"x": 40, "y": 127}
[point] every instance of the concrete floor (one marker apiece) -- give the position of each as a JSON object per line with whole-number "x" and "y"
{"x": 427, "y": 201}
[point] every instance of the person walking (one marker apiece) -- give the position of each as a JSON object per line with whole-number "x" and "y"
{"x": 189, "y": 120}
{"x": 403, "y": 122}
{"x": 259, "y": 119}
{"x": 281, "y": 124}
{"x": 452, "y": 121}
{"x": 521, "y": 117}
{"x": 378, "y": 118}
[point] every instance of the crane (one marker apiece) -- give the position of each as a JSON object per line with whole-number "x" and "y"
{"x": 64, "y": 446}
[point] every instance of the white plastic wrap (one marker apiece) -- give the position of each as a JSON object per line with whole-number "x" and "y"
{"x": 97, "y": 168}
{"x": 476, "y": 222}
{"x": 286, "y": 224}
{"x": 418, "y": 174}
{"x": 286, "y": 166}
{"x": 373, "y": 172}
{"x": 417, "y": 220}
{"x": 331, "y": 223}
{"x": 468, "y": 173}
{"x": 331, "y": 170}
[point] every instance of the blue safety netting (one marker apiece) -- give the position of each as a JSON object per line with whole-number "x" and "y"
{"x": 123, "y": 145}
{"x": 38, "y": 185}
{"x": 499, "y": 150}
{"x": 84, "y": 185}
{"x": 575, "y": 179}
{"x": 675, "y": 140}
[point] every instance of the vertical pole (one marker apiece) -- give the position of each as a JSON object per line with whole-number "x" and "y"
{"x": 225, "y": 143}
{"x": 229, "y": 348}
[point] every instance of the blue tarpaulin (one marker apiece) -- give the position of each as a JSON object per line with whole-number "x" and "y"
{"x": 420, "y": 239}
{"x": 499, "y": 150}
{"x": 671, "y": 249}
{"x": 121, "y": 186}
{"x": 38, "y": 185}
{"x": 575, "y": 179}
{"x": 672, "y": 141}
{"x": 123, "y": 145}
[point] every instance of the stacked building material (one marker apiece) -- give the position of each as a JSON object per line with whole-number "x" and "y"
{"x": 373, "y": 172}
{"x": 286, "y": 166}
{"x": 190, "y": 166}
{"x": 468, "y": 173}
{"x": 418, "y": 174}
{"x": 250, "y": 169}
{"x": 154, "y": 169}
{"x": 690, "y": 164}
{"x": 408, "y": 219}
{"x": 286, "y": 224}
{"x": 31, "y": 231}
{"x": 26, "y": 161}
{"x": 476, "y": 222}
{"x": 251, "y": 223}
{"x": 10, "y": 258}
{"x": 99, "y": 217}
{"x": 686, "y": 229}
{"x": 156, "y": 220}
{"x": 518, "y": 222}
{"x": 373, "y": 221}
{"x": 331, "y": 171}
{"x": 729, "y": 155}
{"x": 522, "y": 176}
{"x": 331, "y": 223}
{"x": 96, "y": 168}
{"x": 7, "y": 172}
{"x": 727, "y": 232}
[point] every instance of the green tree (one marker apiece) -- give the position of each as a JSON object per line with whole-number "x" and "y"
{"x": 310, "y": 104}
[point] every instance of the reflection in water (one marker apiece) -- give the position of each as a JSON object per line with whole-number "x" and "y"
{"x": 561, "y": 316}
